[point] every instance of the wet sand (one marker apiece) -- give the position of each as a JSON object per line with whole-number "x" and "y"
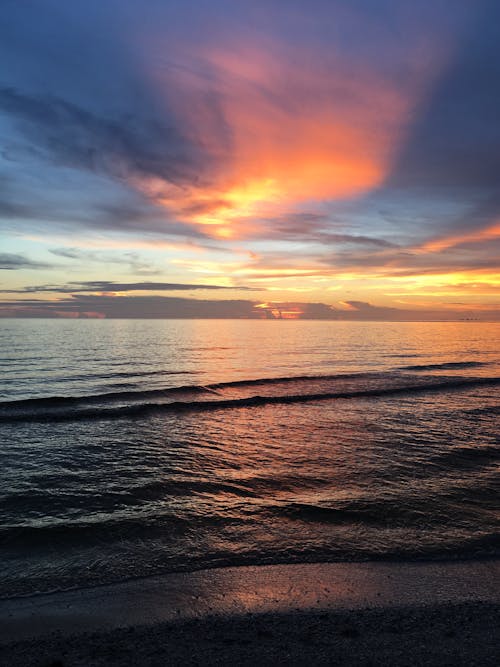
{"x": 330, "y": 613}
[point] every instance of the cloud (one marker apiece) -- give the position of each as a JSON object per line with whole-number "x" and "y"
{"x": 40, "y": 195}
{"x": 112, "y": 286}
{"x": 13, "y": 262}
{"x": 362, "y": 310}
{"x": 232, "y": 125}
{"x": 14, "y": 210}
{"x": 455, "y": 140}
{"x": 311, "y": 228}
{"x": 452, "y": 153}
{"x": 132, "y": 259}
{"x": 367, "y": 308}
{"x": 70, "y": 135}
{"x": 463, "y": 239}
{"x": 157, "y": 307}
{"x": 444, "y": 255}
{"x": 166, "y": 307}
{"x": 103, "y": 160}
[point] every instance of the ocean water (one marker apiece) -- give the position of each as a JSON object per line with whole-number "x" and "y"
{"x": 133, "y": 447}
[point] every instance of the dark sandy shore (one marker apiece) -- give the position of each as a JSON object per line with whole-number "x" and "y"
{"x": 314, "y": 614}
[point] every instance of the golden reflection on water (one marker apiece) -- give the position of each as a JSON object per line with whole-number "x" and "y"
{"x": 250, "y": 349}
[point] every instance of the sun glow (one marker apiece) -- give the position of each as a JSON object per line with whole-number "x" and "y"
{"x": 281, "y": 130}
{"x": 283, "y": 311}
{"x": 471, "y": 283}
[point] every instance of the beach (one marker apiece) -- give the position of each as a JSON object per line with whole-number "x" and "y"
{"x": 443, "y": 613}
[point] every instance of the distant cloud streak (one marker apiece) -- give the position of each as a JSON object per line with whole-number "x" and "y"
{"x": 111, "y": 286}
{"x": 12, "y": 262}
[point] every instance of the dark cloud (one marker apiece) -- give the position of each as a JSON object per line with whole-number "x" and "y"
{"x": 111, "y": 286}
{"x": 100, "y": 157}
{"x": 132, "y": 259}
{"x": 313, "y": 228}
{"x": 70, "y": 135}
{"x": 81, "y": 207}
{"x": 365, "y": 307}
{"x": 454, "y": 145}
{"x": 12, "y": 262}
{"x": 349, "y": 239}
{"x": 14, "y": 211}
{"x": 74, "y": 253}
{"x": 145, "y": 217}
{"x": 163, "y": 307}
{"x": 362, "y": 310}
{"x": 141, "y": 307}
{"x": 462, "y": 257}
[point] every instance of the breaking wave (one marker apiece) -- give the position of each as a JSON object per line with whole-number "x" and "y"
{"x": 228, "y": 395}
{"x": 446, "y": 366}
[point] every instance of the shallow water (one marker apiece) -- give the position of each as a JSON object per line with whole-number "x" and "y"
{"x": 131, "y": 447}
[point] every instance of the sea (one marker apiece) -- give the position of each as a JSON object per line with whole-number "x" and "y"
{"x": 137, "y": 447}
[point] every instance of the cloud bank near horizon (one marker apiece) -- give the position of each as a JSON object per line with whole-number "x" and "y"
{"x": 125, "y": 306}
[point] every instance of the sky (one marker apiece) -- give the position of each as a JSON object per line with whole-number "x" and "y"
{"x": 269, "y": 159}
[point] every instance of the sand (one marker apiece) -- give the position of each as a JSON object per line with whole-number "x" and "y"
{"x": 311, "y": 614}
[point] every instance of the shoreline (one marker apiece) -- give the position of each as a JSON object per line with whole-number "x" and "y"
{"x": 250, "y": 589}
{"x": 195, "y": 568}
{"x": 182, "y": 616}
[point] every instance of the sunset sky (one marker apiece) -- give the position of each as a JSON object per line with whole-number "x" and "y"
{"x": 178, "y": 158}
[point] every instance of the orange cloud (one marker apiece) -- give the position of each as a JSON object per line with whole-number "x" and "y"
{"x": 281, "y": 130}
{"x": 486, "y": 234}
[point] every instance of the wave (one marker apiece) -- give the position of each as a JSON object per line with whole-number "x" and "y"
{"x": 332, "y": 515}
{"x": 102, "y": 376}
{"x": 406, "y": 355}
{"x": 401, "y": 511}
{"x": 67, "y": 499}
{"x": 380, "y": 516}
{"x": 218, "y": 396}
{"x": 85, "y": 532}
{"x": 67, "y": 401}
{"x": 486, "y": 411}
{"x": 141, "y": 395}
{"x": 466, "y": 457}
{"x": 446, "y": 366}
{"x": 127, "y": 374}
